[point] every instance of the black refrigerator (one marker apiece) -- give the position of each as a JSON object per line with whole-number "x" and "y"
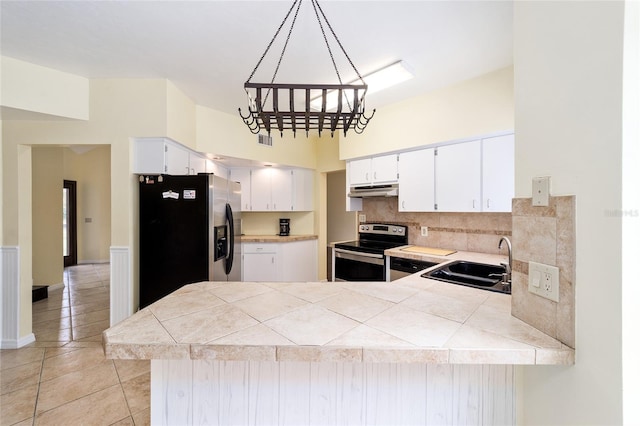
{"x": 189, "y": 232}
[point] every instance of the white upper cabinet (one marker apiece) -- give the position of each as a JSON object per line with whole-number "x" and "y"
{"x": 261, "y": 190}
{"x": 458, "y": 177}
{"x": 281, "y": 190}
{"x": 197, "y": 163}
{"x": 375, "y": 170}
{"x": 359, "y": 172}
{"x": 498, "y": 173}
{"x": 384, "y": 169}
{"x": 303, "y": 194}
{"x": 176, "y": 160}
{"x": 243, "y": 175}
{"x": 416, "y": 182}
{"x": 273, "y": 189}
{"x": 165, "y": 156}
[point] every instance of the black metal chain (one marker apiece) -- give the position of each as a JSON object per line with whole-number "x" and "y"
{"x": 316, "y": 7}
{"x": 337, "y": 40}
{"x": 335, "y": 67}
{"x": 273, "y": 39}
{"x": 283, "y": 50}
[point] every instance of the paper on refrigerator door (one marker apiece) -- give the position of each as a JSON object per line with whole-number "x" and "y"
{"x": 171, "y": 194}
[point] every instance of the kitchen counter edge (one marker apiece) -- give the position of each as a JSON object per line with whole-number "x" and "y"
{"x": 276, "y": 238}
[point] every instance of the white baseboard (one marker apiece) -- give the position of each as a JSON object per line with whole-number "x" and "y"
{"x": 55, "y": 286}
{"x": 16, "y": 344}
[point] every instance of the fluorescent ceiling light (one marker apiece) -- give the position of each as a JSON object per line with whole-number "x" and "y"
{"x": 378, "y": 80}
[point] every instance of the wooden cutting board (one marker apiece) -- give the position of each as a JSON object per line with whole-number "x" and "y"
{"x": 429, "y": 250}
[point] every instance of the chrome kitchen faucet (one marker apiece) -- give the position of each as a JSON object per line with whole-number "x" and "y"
{"x": 506, "y": 276}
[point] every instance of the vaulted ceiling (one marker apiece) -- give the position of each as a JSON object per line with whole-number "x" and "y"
{"x": 209, "y": 48}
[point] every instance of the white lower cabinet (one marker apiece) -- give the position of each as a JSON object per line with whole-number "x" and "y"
{"x": 260, "y": 261}
{"x": 286, "y": 261}
{"x": 299, "y": 261}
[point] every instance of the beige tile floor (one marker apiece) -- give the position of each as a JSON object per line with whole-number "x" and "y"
{"x": 63, "y": 377}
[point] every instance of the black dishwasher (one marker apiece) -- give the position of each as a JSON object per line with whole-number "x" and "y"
{"x": 401, "y": 267}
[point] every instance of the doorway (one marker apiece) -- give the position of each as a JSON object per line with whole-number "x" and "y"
{"x": 69, "y": 224}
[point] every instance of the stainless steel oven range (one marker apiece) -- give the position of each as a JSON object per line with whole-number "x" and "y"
{"x": 364, "y": 259}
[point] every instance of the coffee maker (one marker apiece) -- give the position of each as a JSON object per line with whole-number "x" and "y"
{"x": 284, "y": 227}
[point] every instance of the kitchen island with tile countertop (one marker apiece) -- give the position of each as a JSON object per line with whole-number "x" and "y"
{"x": 360, "y": 352}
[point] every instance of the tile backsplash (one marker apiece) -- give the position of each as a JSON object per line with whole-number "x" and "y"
{"x": 545, "y": 235}
{"x": 477, "y": 232}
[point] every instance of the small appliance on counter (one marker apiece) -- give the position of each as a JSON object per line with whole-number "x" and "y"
{"x": 284, "y": 227}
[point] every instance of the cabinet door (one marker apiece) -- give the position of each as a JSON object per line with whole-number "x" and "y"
{"x": 359, "y": 172}
{"x": 498, "y": 173}
{"x": 176, "y": 160}
{"x": 244, "y": 177}
{"x": 259, "y": 267}
{"x": 197, "y": 163}
{"x": 261, "y": 189}
{"x": 281, "y": 190}
{"x": 417, "y": 181}
{"x": 149, "y": 156}
{"x": 458, "y": 177}
{"x": 384, "y": 169}
{"x": 299, "y": 261}
{"x": 302, "y": 190}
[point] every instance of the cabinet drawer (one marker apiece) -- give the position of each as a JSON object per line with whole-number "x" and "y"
{"x": 248, "y": 248}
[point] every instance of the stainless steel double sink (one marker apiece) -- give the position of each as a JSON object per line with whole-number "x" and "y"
{"x": 472, "y": 274}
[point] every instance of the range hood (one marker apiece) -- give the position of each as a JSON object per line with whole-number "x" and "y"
{"x": 374, "y": 191}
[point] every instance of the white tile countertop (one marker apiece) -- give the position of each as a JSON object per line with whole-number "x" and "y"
{"x": 404, "y": 252}
{"x": 413, "y": 319}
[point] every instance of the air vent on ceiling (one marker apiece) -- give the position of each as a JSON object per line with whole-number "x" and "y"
{"x": 265, "y": 140}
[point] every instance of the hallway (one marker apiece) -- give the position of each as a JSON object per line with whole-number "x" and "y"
{"x": 63, "y": 377}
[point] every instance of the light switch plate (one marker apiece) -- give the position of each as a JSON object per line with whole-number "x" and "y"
{"x": 540, "y": 191}
{"x": 544, "y": 280}
{"x": 424, "y": 231}
{"x": 363, "y": 218}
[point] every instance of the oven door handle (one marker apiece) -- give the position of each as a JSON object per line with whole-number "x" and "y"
{"x": 377, "y": 259}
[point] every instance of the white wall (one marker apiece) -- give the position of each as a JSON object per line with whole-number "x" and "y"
{"x": 44, "y": 90}
{"x": 568, "y": 125}
{"x": 631, "y": 219}
{"x": 226, "y": 135}
{"x": 479, "y": 106}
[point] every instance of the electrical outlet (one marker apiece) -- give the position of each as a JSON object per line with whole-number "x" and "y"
{"x": 424, "y": 231}
{"x": 363, "y": 218}
{"x": 544, "y": 280}
{"x": 540, "y": 191}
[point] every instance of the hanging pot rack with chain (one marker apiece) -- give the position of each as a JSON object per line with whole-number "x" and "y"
{"x": 349, "y": 112}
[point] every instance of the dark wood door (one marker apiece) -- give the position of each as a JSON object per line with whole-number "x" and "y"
{"x": 69, "y": 223}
